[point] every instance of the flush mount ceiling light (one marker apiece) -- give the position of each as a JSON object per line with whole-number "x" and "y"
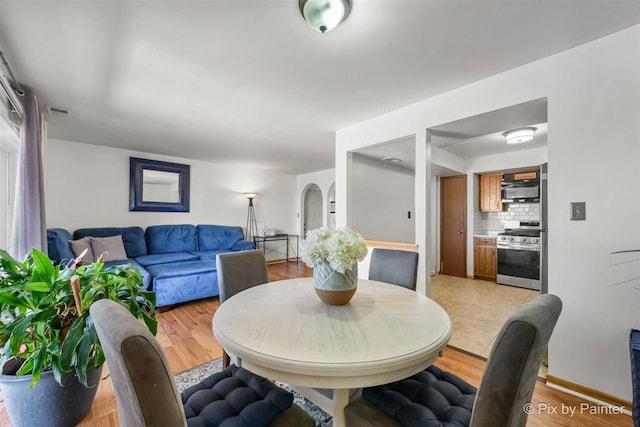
{"x": 516, "y": 136}
{"x": 391, "y": 159}
{"x": 324, "y": 15}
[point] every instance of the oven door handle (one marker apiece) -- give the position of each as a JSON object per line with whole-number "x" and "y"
{"x": 513, "y": 247}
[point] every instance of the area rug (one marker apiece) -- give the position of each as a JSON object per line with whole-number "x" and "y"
{"x": 194, "y": 375}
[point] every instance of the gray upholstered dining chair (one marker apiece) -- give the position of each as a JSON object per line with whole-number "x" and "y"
{"x": 146, "y": 393}
{"x": 394, "y": 266}
{"x": 437, "y": 398}
{"x": 238, "y": 271}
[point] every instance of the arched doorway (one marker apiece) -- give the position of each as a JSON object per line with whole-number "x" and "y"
{"x": 311, "y": 208}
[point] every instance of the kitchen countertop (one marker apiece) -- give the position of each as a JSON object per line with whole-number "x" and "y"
{"x": 487, "y": 233}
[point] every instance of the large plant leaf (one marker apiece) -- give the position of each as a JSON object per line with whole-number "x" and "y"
{"x": 27, "y": 366}
{"x": 90, "y": 330}
{"x": 56, "y": 368}
{"x": 82, "y": 362}
{"x": 151, "y": 323}
{"x": 71, "y": 341}
{"x": 43, "y": 267}
{"x": 10, "y": 265}
{"x": 39, "y": 363}
{"x": 18, "y": 333}
{"x": 37, "y": 287}
{"x": 11, "y": 300}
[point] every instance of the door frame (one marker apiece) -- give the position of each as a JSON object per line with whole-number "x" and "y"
{"x": 303, "y": 207}
{"x": 464, "y": 222}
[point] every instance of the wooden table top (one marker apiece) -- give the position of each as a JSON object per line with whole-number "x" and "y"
{"x": 282, "y": 330}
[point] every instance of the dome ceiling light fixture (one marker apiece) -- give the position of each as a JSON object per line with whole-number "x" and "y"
{"x": 324, "y": 15}
{"x": 391, "y": 159}
{"x": 517, "y": 136}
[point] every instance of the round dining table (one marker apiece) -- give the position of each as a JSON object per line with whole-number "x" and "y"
{"x": 282, "y": 331}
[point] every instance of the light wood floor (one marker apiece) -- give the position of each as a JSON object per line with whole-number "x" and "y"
{"x": 185, "y": 336}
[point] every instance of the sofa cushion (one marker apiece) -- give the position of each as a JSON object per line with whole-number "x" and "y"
{"x": 216, "y": 237}
{"x": 209, "y": 254}
{"x": 182, "y": 288}
{"x": 183, "y": 281}
{"x": 243, "y": 245}
{"x": 162, "y": 239}
{"x": 175, "y": 269}
{"x": 112, "y": 247}
{"x": 148, "y": 260}
{"x": 79, "y": 246}
{"x": 146, "y": 277}
{"x": 58, "y": 247}
{"x": 132, "y": 237}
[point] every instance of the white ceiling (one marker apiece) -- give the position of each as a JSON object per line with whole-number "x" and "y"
{"x": 471, "y": 137}
{"x": 248, "y": 82}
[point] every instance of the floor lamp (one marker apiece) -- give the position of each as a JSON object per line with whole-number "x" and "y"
{"x": 252, "y": 230}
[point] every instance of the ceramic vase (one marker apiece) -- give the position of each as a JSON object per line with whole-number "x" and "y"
{"x": 332, "y": 287}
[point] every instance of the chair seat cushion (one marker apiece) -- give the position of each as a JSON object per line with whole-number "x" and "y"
{"x": 236, "y": 397}
{"x": 430, "y": 398}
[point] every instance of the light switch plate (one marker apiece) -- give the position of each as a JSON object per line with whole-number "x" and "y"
{"x": 578, "y": 211}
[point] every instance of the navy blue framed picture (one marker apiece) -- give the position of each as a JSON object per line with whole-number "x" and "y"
{"x": 156, "y": 186}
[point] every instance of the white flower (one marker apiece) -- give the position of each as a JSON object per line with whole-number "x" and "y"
{"x": 341, "y": 248}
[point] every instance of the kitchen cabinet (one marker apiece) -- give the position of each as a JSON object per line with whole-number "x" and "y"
{"x": 491, "y": 193}
{"x": 485, "y": 258}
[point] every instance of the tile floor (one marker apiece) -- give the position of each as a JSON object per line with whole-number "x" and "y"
{"x": 477, "y": 308}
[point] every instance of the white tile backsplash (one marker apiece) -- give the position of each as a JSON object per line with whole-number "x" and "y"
{"x": 514, "y": 212}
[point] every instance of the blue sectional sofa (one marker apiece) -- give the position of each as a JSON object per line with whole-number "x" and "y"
{"x": 177, "y": 262}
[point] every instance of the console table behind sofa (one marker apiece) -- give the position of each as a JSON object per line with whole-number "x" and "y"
{"x": 177, "y": 262}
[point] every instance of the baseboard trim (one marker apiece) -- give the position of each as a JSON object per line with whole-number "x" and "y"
{"x": 587, "y": 391}
{"x": 467, "y": 353}
{"x": 484, "y": 359}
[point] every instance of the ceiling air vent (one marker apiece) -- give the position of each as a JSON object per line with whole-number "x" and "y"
{"x": 58, "y": 110}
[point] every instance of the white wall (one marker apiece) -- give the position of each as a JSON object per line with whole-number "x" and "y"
{"x": 593, "y": 94}
{"x": 88, "y": 186}
{"x": 382, "y": 196}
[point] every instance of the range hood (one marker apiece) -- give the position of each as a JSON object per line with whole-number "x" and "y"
{"x": 521, "y": 187}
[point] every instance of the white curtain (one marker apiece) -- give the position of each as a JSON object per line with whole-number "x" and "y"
{"x": 29, "y": 225}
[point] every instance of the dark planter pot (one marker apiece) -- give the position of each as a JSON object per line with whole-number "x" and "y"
{"x": 48, "y": 404}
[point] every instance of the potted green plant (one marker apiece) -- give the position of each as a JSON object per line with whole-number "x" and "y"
{"x": 51, "y": 357}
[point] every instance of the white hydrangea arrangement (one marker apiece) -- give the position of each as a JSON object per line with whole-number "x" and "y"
{"x": 341, "y": 248}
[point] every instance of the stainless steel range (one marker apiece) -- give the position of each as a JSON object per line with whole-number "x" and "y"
{"x": 519, "y": 256}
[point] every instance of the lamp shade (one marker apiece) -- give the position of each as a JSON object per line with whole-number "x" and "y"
{"x": 250, "y": 195}
{"x": 324, "y": 15}
{"x": 516, "y": 136}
